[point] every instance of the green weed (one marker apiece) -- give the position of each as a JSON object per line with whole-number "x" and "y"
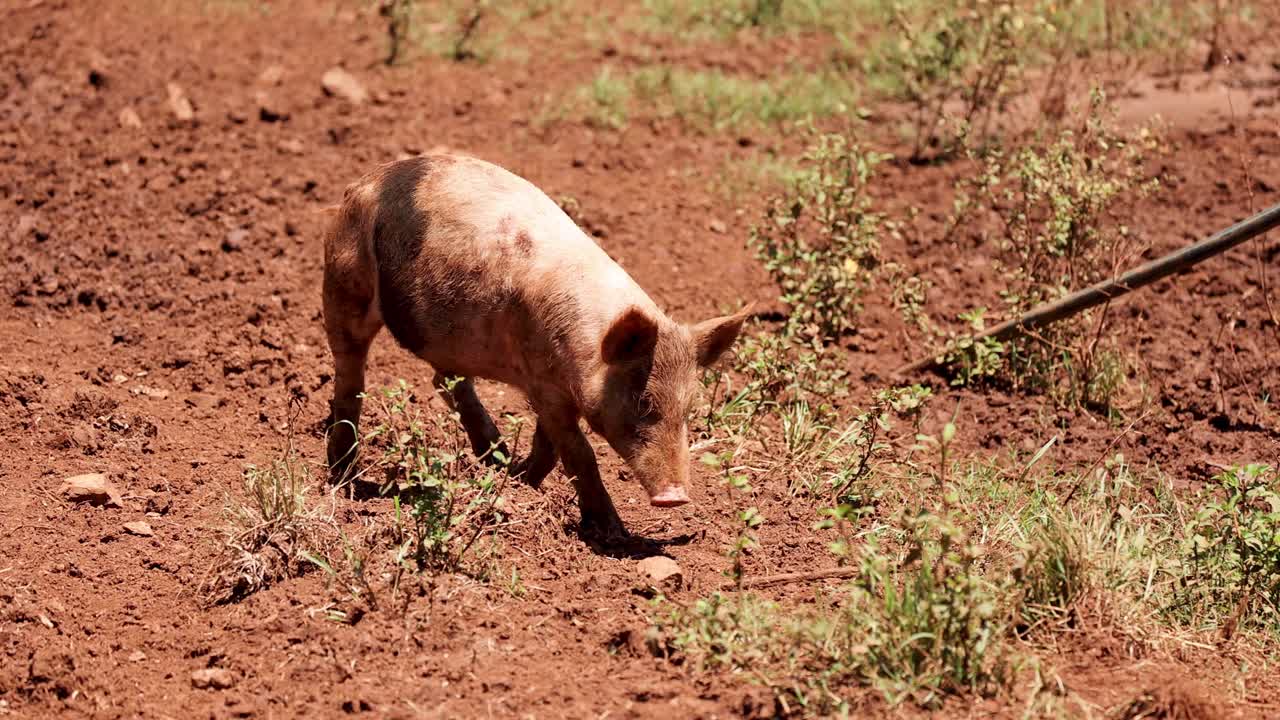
{"x": 724, "y": 18}
{"x": 819, "y": 238}
{"x": 447, "y": 504}
{"x": 956, "y": 62}
{"x": 1059, "y": 203}
{"x": 1232, "y": 555}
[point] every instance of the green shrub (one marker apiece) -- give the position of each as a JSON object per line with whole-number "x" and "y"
{"x": 448, "y": 504}
{"x": 1059, "y": 203}
{"x": 916, "y": 629}
{"x": 1232, "y": 554}
{"x": 819, "y": 239}
{"x": 967, "y": 53}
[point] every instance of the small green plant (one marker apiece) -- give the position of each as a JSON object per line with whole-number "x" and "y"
{"x": 819, "y": 239}
{"x": 968, "y": 53}
{"x": 476, "y": 30}
{"x": 935, "y": 628}
{"x": 447, "y": 503}
{"x": 609, "y": 98}
{"x": 1059, "y": 203}
{"x": 725, "y": 17}
{"x": 748, "y": 520}
{"x": 974, "y": 358}
{"x": 1232, "y": 554}
{"x": 779, "y": 373}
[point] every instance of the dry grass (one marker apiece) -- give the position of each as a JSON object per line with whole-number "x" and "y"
{"x": 273, "y": 533}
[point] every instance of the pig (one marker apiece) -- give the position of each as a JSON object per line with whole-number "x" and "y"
{"x": 476, "y": 271}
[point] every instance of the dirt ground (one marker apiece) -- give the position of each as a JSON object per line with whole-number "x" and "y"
{"x": 160, "y": 323}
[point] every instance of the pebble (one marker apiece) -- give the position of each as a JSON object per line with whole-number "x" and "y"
{"x": 139, "y": 528}
{"x": 661, "y": 570}
{"x": 234, "y": 240}
{"x": 340, "y": 83}
{"x": 212, "y": 678}
{"x": 93, "y": 488}
{"x": 180, "y": 103}
{"x": 129, "y": 119}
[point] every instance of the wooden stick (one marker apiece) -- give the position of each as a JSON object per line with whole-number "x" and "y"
{"x": 784, "y": 578}
{"x": 1106, "y": 290}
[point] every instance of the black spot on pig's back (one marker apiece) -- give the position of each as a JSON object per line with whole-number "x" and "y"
{"x": 399, "y": 229}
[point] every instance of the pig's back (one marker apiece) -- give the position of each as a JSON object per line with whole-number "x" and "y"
{"x": 514, "y": 227}
{"x": 466, "y": 250}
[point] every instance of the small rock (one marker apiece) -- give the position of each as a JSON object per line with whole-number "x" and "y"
{"x": 29, "y": 226}
{"x": 159, "y": 503}
{"x": 180, "y": 103}
{"x": 150, "y": 392}
{"x": 343, "y": 84}
{"x": 140, "y": 528}
{"x": 129, "y": 119}
{"x": 93, "y": 488}
{"x": 84, "y": 436}
{"x": 234, "y": 240}
{"x": 272, "y": 75}
{"x": 98, "y": 66}
{"x": 718, "y": 227}
{"x": 212, "y": 678}
{"x": 269, "y": 108}
{"x": 137, "y": 656}
{"x": 661, "y": 570}
{"x": 291, "y": 147}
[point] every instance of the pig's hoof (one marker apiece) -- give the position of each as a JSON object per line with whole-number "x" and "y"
{"x": 607, "y": 529}
{"x": 530, "y": 473}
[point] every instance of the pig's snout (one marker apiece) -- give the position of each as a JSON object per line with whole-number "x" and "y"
{"x": 670, "y": 497}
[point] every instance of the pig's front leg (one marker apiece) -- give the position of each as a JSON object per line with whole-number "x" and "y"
{"x": 541, "y": 460}
{"x": 598, "y": 514}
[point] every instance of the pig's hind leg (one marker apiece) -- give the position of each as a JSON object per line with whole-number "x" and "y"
{"x": 486, "y": 441}
{"x": 351, "y": 323}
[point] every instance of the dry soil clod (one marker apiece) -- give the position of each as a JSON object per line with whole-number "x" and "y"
{"x": 129, "y": 119}
{"x": 271, "y": 75}
{"x": 661, "y": 570}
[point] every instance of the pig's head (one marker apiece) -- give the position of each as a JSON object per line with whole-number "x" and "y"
{"x": 646, "y": 390}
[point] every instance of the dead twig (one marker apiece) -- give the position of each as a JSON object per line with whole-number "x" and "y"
{"x": 13, "y": 530}
{"x": 786, "y": 578}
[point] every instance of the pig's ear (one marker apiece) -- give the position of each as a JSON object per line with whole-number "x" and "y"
{"x": 632, "y": 335}
{"x": 713, "y": 337}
